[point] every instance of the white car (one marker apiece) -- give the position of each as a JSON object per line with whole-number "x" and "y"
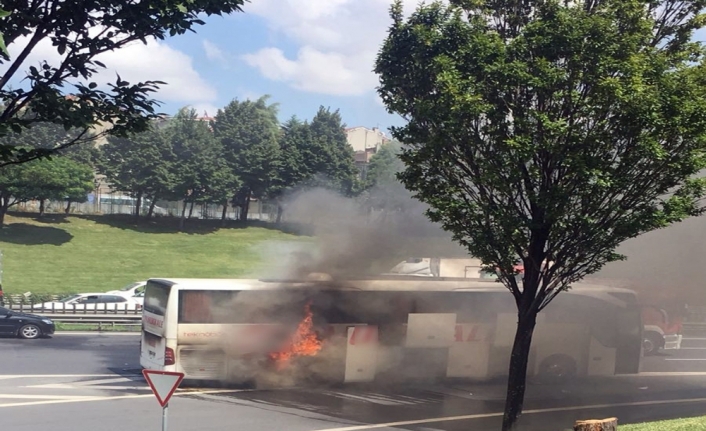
{"x": 91, "y": 301}
{"x": 130, "y": 290}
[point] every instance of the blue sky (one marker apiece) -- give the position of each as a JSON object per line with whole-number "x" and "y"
{"x": 303, "y": 53}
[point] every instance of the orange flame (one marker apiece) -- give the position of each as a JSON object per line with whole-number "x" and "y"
{"x": 304, "y": 341}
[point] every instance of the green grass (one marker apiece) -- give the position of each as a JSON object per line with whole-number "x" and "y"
{"x": 68, "y": 327}
{"x": 60, "y": 255}
{"x": 690, "y": 424}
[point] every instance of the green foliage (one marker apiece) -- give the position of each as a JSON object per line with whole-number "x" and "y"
{"x": 249, "y": 134}
{"x": 548, "y": 133}
{"x": 140, "y": 165}
{"x": 550, "y": 137}
{"x": 80, "y": 31}
{"x": 331, "y": 157}
{"x": 3, "y": 47}
{"x": 383, "y": 190}
{"x": 59, "y": 178}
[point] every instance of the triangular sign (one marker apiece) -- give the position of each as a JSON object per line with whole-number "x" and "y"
{"x": 163, "y": 384}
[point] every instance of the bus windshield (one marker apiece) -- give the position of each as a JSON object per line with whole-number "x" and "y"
{"x": 156, "y": 298}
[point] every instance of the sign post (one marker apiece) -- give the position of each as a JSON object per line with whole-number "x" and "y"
{"x": 163, "y": 385}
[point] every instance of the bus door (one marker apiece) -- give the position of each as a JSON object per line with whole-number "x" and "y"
{"x": 361, "y": 353}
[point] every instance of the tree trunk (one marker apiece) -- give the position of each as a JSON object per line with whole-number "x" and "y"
{"x": 41, "y": 207}
{"x": 138, "y": 205}
{"x": 67, "y": 210}
{"x": 245, "y": 206}
{"x": 224, "y": 214}
{"x": 610, "y": 424}
{"x": 518, "y": 369}
{"x": 280, "y": 213}
{"x": 183, "y": 215}
{"x": 152, "y": 205}
{"x": 191, "y": 209}
{"x": 4, "y": 205}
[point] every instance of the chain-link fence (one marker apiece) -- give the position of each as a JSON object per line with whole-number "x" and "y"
{"x": 126, "y": 205}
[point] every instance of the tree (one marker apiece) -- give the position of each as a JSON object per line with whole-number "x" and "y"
{"x": 58, "y": 178}
{"x": 140, "y": 165}
{"x": 295, "y": 155}
{"x": 195, "y": 155}
{"x": 249, "y": 133}
{"x": 81, "y": 32}
{"x": 330, "y": 156}
{"x": 548, "y": 134}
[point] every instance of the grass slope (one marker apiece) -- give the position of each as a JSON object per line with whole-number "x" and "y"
{"x": 691, "y": 424}
{"x": 58, "y": 255}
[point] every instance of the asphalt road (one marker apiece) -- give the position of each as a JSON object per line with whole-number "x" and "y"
{"x": 63, "y": 384}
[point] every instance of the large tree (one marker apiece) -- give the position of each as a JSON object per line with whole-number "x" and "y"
{"x": 548, "y": 133}
{"x": 249, "y": 132}
{"x": 141, "y": 165}
{"x": 196, "y": 159}
{"x": 330, "y": 156}
{"x": 81, "y": 31}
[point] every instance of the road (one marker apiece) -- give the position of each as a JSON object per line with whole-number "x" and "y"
{"x": 89, "y": 381}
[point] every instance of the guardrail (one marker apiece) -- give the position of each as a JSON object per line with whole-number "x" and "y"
{"x": 73, "y": 309}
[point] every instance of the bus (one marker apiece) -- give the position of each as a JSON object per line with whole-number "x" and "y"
{"x": 380, "y": 329}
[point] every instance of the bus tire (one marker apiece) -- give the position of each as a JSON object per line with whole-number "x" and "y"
{"x": 557, "y": 368}
{"x": 652, "y": 342}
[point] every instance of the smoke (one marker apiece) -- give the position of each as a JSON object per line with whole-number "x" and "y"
{"x": 354, "y": 237}
{"x": 663, "y": 266}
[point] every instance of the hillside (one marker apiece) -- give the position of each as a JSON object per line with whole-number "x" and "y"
{"x": 84, "y": 254}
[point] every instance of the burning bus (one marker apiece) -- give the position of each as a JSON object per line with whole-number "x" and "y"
{"x": 388, "y": 328}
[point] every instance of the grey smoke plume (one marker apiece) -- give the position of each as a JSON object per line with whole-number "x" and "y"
{"x": 354, "y": 237}
{"x": 664, "y": 265}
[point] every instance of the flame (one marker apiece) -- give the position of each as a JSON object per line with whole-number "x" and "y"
{"x": 304, "y": 341}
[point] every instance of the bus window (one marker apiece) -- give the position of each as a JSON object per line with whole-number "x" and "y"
{"x": 156, "y": 298}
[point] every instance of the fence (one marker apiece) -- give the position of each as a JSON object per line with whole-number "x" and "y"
{"x": 57, "y": 308}
{"x": 258, "y": 210}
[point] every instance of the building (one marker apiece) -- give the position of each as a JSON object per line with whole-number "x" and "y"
{"x": 365, "y": 142}
{"x": 363, "y": 139}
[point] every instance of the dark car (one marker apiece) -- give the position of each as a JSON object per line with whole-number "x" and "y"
{"x": 24, "y": 325}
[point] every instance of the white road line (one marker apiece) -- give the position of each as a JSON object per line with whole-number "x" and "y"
{"x": 694, "y": 338}
{"x": 116, "y": 333}
{"x": 106, "y": 398}
{"x": 491, "y": 415}
{"x": 45, "y": 397}
{"x": 692, "y": 348}
{"x": 666, "y": 374}
{"x": 57, "y": 376}
{"x": 685, "y": 359}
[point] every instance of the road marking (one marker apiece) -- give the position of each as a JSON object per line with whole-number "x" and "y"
{"x": 685, "y": 359}
{"x": 58, "y": 376}
{"x": 666, "y": 374}
{"x": 491, "y": 415}
{"x": 62, "y": 333}
{"x": 692, "y": 348}
{"x": 107, "y": 398}
{"x": 695, "y": 338}
{"x": 44, "y": 397}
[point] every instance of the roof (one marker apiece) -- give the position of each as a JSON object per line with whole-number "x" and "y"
{"x": 378, "y": 283}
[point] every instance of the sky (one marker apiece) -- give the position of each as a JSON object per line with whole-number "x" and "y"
{"x": 303, "y": 53}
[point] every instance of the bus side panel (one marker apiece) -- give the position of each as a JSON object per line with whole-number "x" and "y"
{"x": 470, "y": 354}
{"x": 560, "y": 339}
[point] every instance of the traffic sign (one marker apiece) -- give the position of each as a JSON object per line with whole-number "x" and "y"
{"x": 163, "y": 384}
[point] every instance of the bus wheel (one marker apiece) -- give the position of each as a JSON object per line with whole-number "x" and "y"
{"x": 558, "y": 368}
{"x": 652, "y": 343}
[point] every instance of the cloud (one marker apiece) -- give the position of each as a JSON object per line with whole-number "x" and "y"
{"x": 213, "y": 52}
{"x": 337, "y": 40}
{"x": 136, "y": 62}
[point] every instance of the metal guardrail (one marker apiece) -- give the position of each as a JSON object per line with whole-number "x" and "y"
{"x": 101, "y": 309}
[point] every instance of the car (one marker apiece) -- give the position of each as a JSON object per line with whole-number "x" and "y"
{"x": 91, "y": 301}
{"x": 130, "y": 290}
{"x": 23, "y": 325}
